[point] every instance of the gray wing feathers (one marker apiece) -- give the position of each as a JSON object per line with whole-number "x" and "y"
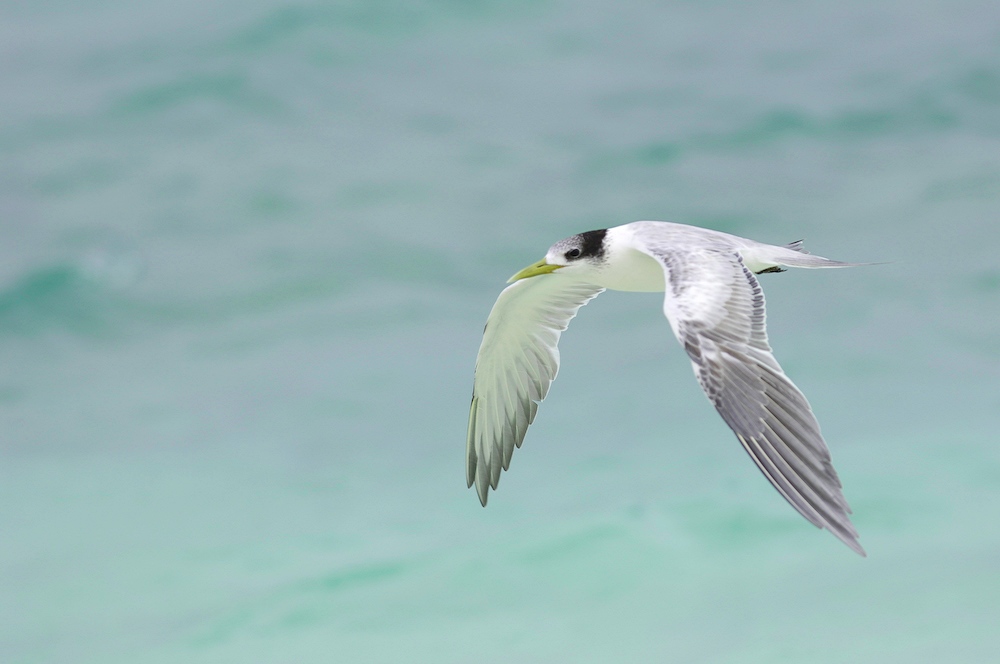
{"x": 723, "y": 332}
{"x": 517, "y": 361}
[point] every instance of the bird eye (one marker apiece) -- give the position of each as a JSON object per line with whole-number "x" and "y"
{"x": 573, "y": 253}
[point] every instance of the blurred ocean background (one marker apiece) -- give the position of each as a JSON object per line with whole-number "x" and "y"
{"x": 247, "y": 250}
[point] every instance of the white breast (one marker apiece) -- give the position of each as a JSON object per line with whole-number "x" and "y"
{"x": 629, "y": 270}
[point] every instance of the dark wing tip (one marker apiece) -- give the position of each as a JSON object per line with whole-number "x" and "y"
{"x": 797, "y": 246}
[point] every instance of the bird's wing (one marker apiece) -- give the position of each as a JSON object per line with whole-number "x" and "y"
{"x": 517, "y": 361}
{"x": 716, "y": 309}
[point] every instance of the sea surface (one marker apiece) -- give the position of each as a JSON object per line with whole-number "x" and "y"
{"x": 247, "y": 249}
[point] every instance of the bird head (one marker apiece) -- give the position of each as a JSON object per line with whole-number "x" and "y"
{"x": 583, "y": 251}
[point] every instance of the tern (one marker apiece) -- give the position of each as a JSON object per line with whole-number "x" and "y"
{"x": 715, "y": 307}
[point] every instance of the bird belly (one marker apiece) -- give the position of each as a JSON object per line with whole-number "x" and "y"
{"x": 632, "y": 270}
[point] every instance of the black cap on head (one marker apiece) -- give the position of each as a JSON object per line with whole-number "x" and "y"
{"x": 593, "y": 243}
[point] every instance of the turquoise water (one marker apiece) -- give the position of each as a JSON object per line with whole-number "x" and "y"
{"x": 247, "y": 250}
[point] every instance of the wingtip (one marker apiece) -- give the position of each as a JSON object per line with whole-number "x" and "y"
{"x": 471, "y": 458}
{"x": 483, "y": 491}
{"x": 852, "y": 543}
{"x": 797, "y": 246}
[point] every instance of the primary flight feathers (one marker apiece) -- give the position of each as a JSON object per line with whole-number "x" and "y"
{"x": 715, "y": 308}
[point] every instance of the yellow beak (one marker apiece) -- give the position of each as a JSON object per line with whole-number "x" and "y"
{"x": 541, "y": 267}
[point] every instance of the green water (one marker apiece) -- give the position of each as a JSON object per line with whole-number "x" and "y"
{"x": 247, "y": 250}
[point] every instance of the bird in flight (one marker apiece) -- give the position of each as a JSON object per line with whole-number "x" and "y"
{"x": 715, "y": 307}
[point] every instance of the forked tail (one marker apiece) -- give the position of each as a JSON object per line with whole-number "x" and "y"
{"x": 793, "y": 255}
